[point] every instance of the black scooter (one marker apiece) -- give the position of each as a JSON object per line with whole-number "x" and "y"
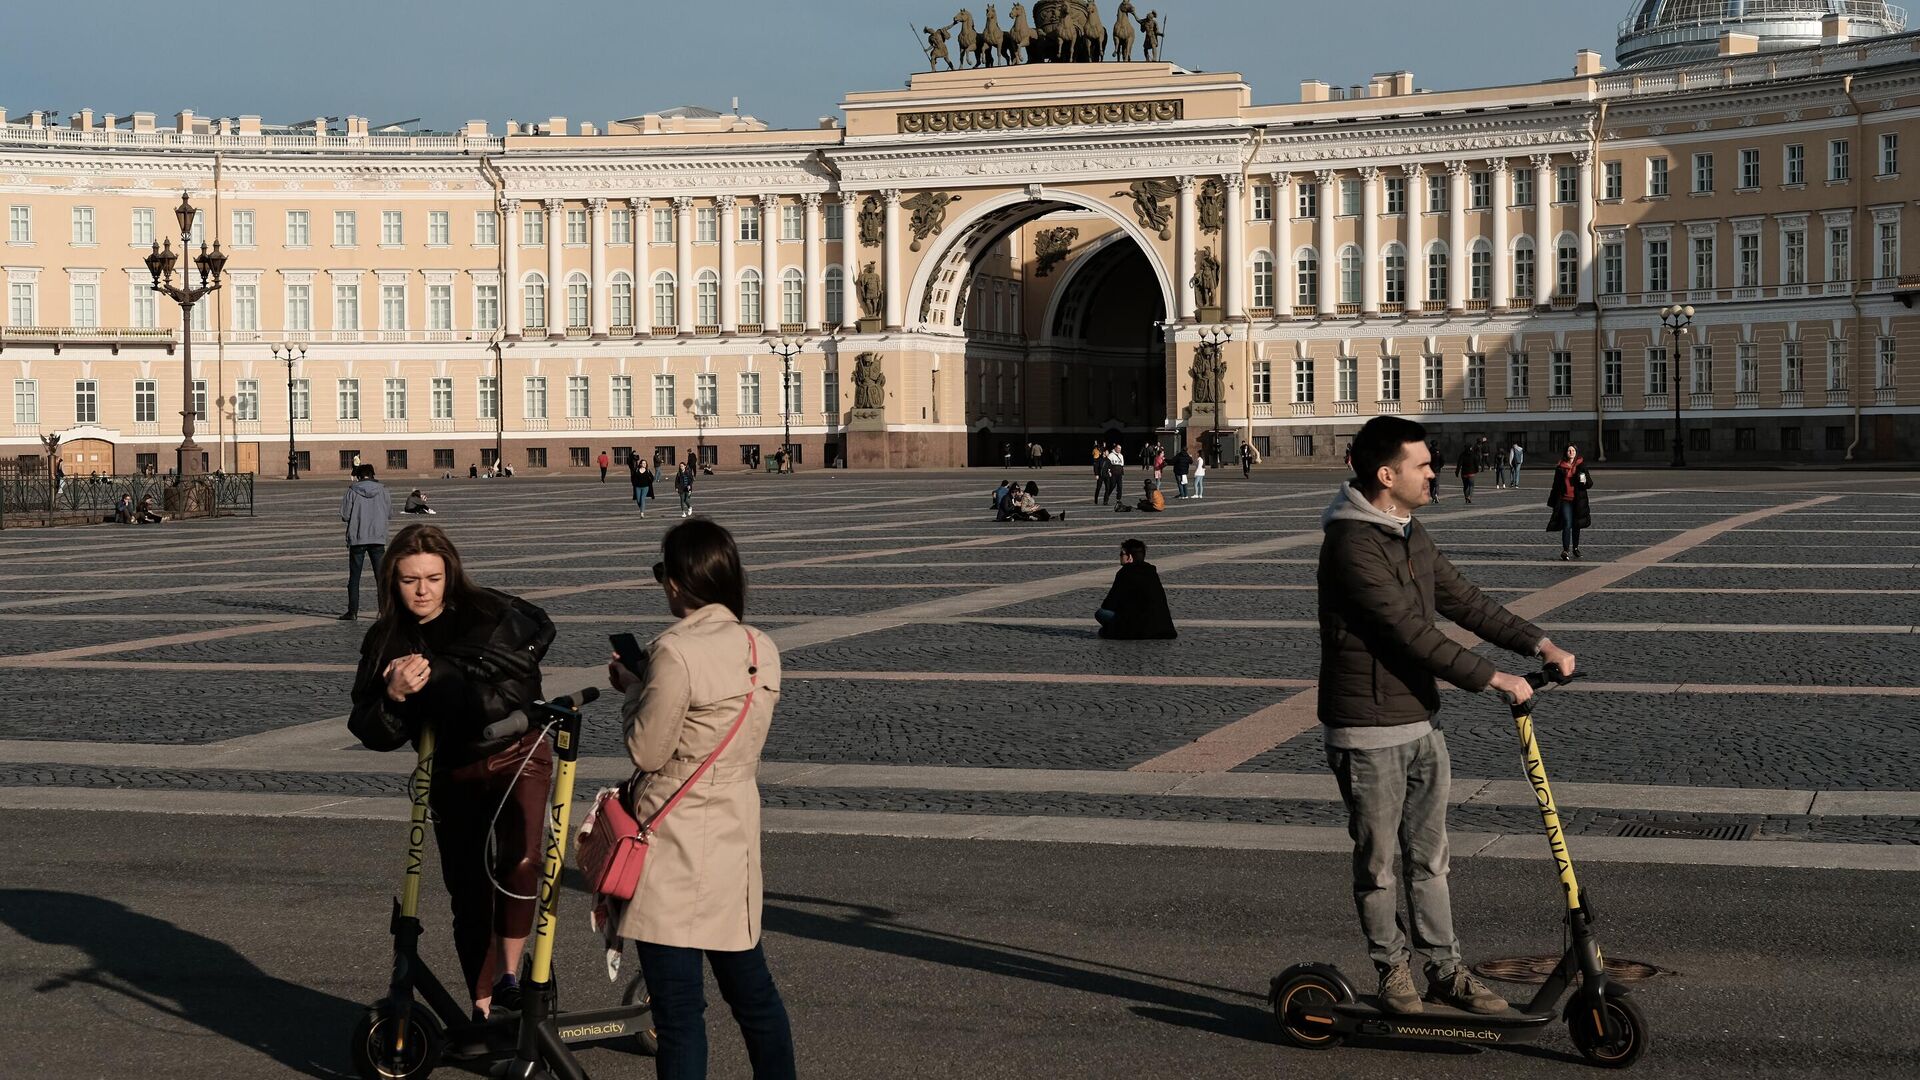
{"x": 1316, "y": 1006}
{"x": 405, "y": 1035}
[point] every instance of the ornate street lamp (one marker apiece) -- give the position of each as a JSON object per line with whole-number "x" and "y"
{"x": 1211, "y": 340}
{"x": 160, "y": 264}
{"x": 786, "y": 348}
{"x": 1678, "y": 320}
{"x": 290, "y": 353}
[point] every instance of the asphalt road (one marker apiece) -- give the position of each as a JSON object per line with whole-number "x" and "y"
{"x": 164, "y": 946}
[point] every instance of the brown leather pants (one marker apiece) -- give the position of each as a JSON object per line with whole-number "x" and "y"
{"x": 464, "y": 799}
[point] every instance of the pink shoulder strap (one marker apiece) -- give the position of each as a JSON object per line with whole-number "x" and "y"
{"x": 753, "y": 683}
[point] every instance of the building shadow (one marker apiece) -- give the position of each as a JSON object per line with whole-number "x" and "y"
{"x": 1216, "y": 1010}
{"x": 184, "y": 975}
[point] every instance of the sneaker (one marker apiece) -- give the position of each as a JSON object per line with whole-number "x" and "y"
{"x": 1563, "y": 555}
{"x": 349, "y": 616}
{"x": 506, "y": 995}
{"x": 1396, "y": 991}
{"x": 1576, "y": 553}
{"x": 1462, "y": 991}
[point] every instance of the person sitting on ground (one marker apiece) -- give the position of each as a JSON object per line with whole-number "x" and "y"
{"x": 417, "y": 503}
{"x": 1000, "y": 493}
{"x": 146, "y": 514}
{"x": 1151, "y": 500}
{"x": 123, "y": 510}
{"x": 1025, "y": 505}
{"x": 506, "y": 469}
{"x": 1136, "y": 606}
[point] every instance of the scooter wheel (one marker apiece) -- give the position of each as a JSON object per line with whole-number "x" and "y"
{"x": 419, "y": 1054}
{"x": 1302, "y": 1006}
{"x": 1623, "y": 1048}
{"x": 644, "y": 1040}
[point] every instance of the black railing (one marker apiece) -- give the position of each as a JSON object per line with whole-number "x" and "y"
{"x": 34, "y": 500}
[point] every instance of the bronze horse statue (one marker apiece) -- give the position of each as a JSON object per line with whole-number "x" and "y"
{"x": 992, "y": 40}
{"x": 969, "y": 37}
{"x": 1123, "y": 32}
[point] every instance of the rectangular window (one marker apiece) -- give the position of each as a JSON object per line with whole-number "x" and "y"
{"x": 1479, "y": 191}
{"x": 793, "y": 223}
{"x": 300, "y": 406}
{"x": 1836, "y": 363}
{"x": 1659, "y": 268}
{"x": 393, "y": 307}
{"x": 577, "y": 227}
{"x": 1474, "y": 381}
{"x": 1702, "y": 173}
{"x": 1523, "y": 187}
{"x": 395, "y": 397}
{"x": 1657, "y": 178}
{"x": 620, "y": 227}
{"x": 1567, "y": 282}
{"x": 835, "y": 220}
{"x": 1517, "y": 386}
{"x": 1749, "y": 170}
{"x": 1653, "y": 440}
{"x": 1791, "y": 373}
{"x": 1612, "y": 373}
{"x": 1700, "y": 275}
{"x": 830, "y": 394}
{"x": 246, "y": 399}
{"x": 439, "y": 228}
{"x": 663, "y": 226}
{"x": 1657, "y": 370}
{"x": 1523, "y": 277}
{"x": 1308, "y": 199}
{"x": 1396, "y": 194}
{"x": 1890, "y": 154}
{"x": 1262, "y": 202}
{"x": 486, "y": 307}
{"x": 346, "y": 306}
{"x": 1566, "y": 185}
{"x": 242, "y": 228}
{"x": 1307, "y": 279}
{"x": 1746, "y": 261}
{"x": 1839, "y": 160}
{"x": 146, "y": 401}
{"x": 1796, "y": 165}
{"x": 20, "y": 224}
{"x": 706, "y": 225}
{"x": 1612, "y": 181}
{"x": 536, "y": 457}
{"x": 86, "y": 401}
{"x": 579, "y": 455}
{"x": 1395, "y": 270}
{"x": 579, "y": 404}
{"x": 83, "y": 225}
{"x": 486, "y": 228}
{"x": 1437, "y": 276}
{"x": 1389, "y": 378}
{"x": 26, "y": 402}
{"x": 1887, "y": 248}
{"x": 142, "y": 229}
{"x": 488, "y": 397}
{"x": 620, "y": 396}
{"x": 20, "y": 303}
{"x": 246, "y": 307}
{"x": 793, "y": 398}
{"x": 440, "y": 307}
{"x": 1433, "y": 377}
{"x": 1746, "y": 375}
{"x": 1349, "y": 198}
{"x": 1702, "y": 369}
{"x": 749, "y": 398}
{"x": 440, "y": 398}
{"x": 749, "y": 224}
{"x": 1839, "y": 253}
{"x": 1263, "y": 382}
{"x": 85, "y": 305}
{"x": 141, "y": 308}
{"x": 1303, "y": 381}
{"x": 663, "y": 395}
{"x": 1613, "y": 268}
{"x": 1886, "y": 352}
{"x": 1560, "y": 374}
{"x": 533, "y": 227}
{"x": 1439, "y": 195}
{"x": 1746, "y": 438}
{"x": 443, "y": 459}
{"x": 1480, "y": 274}
{"x": 347, "y": 398}
{"x": 346, "y": 228}
{"x": 1793, "y": 268}
{"x": 706, "y": 393}
{"x": 1346, "y": 370}
{"x": 534, "y": 397}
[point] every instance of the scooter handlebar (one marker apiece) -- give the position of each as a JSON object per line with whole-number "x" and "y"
{"x": 1540, "y": 680}
{"x": 516, "y": 723}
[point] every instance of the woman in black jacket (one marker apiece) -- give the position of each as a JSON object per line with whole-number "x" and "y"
{"x": 1567, "y": 497}
{"x": 640, "y": 474}
{"x": 448, "y": 653}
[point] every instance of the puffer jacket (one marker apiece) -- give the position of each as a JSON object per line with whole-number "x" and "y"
{"x": 1382, "y": 584}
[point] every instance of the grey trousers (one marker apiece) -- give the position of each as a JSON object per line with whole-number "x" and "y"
{"x": 1397, "y": 812}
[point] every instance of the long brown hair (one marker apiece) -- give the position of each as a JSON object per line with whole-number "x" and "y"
{"x": 421, "y": 539}
{"x": 699, "y": 555}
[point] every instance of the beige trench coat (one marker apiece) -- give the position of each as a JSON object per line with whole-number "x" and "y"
{"x": 700, "y": 888}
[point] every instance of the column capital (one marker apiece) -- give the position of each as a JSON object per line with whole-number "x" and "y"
{"x": 811, "y": 200}
{"x": 1185, "y": 184}
{"x": 1325, "y": 176}
{"x": 596, "y": 207}
{"x": 682, "y": 202}
{"x": 1280, "y": 177}
{"x": 1414, "y": 168}
{"x": 1498, "y": 165}
{"x": 769, "y": 202}
{"x": 1542, "y": 162}
{"x": 1582, "y": 157}
{"x": 553, "y": 206}
{"x": 1456, "y": 168}
{"x": 1235, "y": 182}
{"x": 890, "y": 196}
{"x": 509, "y": 205}
{"x": 639, "y": 203}
{"x": 724, "y": 202}
{"x": 1369, "y": 173}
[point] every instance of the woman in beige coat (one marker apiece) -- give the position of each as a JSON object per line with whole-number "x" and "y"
{"x": 699, "y": 895}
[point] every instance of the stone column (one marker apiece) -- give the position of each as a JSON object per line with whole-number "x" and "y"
{"x": 849, "y": 261}
{"x": 1329, "y": 253}
{"x": 1370, "y": 263}
{"x": 770, "y": 316}
{"x": 1584, "y": 158}
{"x": 510, "y": 290}
{"x": 812, "y": 264}
{"x": 1233, "y": 261}
{"x": 1416, "y": 240}
{"x": 683, "y": 261}
{"x": 1283, "y": 284}
{"x": 597, "y": 267}
{"x": 1459, "y": 251}
{"x": 556, "y": 268}
{"x": 729, "y": 288}
{"x": 1502, "y": 275}
{"x": 1546, "y": 254}
{"x": 1184, "y": 263}
{"x": 642, "y": 286}
{"x": 890, "y": 269}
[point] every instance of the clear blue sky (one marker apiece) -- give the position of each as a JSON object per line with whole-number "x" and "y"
{"x": 788, "y": 61}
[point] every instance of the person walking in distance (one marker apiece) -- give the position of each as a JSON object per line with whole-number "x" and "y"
{"x": 1466, "y": 468}
{"x": 1567, "y": 498}
{"x": 683, "y": 486}
{"x": 1246, "y": 461}
{"x": 1499, "y": 468}
{"x": 1382, "y": 584}
{"x": 1433, "y": 485}
{"x": 366, "y": 509}
{"x": 1518, "y": 458}
{"x": 1099, "y": 474}
{"x": 640, "y": 475}
{"x": 604, "y": 462}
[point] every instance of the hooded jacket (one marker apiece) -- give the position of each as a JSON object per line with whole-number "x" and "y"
{"x": 366, "y": 509}
{"x": 1382, "y": 583}
{"x": 1140, "y": 602}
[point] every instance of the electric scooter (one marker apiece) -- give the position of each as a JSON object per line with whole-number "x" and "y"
{"x": 405, "y": 1035}
{"x": 1316, "y": 1007}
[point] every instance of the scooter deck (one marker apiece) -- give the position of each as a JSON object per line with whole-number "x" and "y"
{"x": 1366, "y": 1015}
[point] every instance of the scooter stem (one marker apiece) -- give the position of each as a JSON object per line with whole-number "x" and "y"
{"x": 419, "y": 788}
{"x": 1536, "y": 768}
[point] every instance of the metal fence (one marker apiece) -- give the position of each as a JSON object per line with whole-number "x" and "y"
{"x": 31, "y": 499}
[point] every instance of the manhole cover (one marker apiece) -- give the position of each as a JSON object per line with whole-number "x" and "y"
{"x": 1535, "y": 969}
{"x": 1685, "y": 830}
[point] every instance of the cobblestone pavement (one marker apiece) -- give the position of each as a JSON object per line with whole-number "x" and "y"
{"x": 920, "y": 633}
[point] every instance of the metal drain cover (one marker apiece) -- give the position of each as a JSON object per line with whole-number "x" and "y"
{"x": 1685, "y": 830}
{"x": 1535, "y": 969}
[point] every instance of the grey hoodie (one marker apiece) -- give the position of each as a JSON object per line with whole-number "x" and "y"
{"x": 1349, "y": 505}
{"x": 365, "y": 508}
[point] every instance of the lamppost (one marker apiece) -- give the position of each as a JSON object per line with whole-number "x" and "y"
{"x": 1678, "y": 320}
{"x": 290, "y": 353}
{"x": 786, "y": 348}
{"x": 1211, "y": 340}
{"x": 160, "y": 264}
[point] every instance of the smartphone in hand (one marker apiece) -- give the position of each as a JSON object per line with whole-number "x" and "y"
{"x": 632, "y": 656}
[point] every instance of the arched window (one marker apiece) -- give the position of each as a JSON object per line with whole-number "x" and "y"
{"x": 793, "y": 297}
{"x": 1437, "y": 267}
{"x": 836, "y": 282}
{"x": 578, "y": 316}
{"x": 534, "y": 305}
{"x": 1524, "y": 270}
{"x": 620, "y": 299}
{"x": 1393, "y": 270}
{"x": 750, "y": 313}
{"x": 1306, "y": 266}
{"x": 707, "y": 298}
{"x": 1480, "y": 263}
{"x": 1262, "y": 280}
{"x": 1349, "y": 275}
{"x": 1567, "y": 266}
{"x": 665, "y": 300}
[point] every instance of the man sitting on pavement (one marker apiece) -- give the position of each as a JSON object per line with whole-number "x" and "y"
{"x": 1136, "y": 606}
{"x": 1382, "y": 582}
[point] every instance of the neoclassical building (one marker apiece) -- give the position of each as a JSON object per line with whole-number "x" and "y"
{"x": 994, "y": 256}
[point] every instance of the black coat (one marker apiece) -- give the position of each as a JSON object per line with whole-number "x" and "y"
{"x": 1140, "y": 601}
{"x": 638, "y": 477}
{"x": 1582, "y": 516}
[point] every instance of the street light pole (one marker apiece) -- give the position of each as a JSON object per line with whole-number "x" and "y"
{"x": 1212, "y": 339}
{"x": 160, "y": 264}
{"x": 1678, "y": 320}
{"x": 292, "y": 353}
{"x": 786, "y": 349}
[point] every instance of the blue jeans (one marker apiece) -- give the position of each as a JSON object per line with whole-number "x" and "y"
{"x": 1515, "y": 476}
{"x": 1105, "y": 616}
{"x": 677, "y": 985}
{"x": 1569, "y": 527}
{"x": 1181, "y": 479}
{"x": 640, "y": 498}
{"x": 374, "y": 553}
{"x": 1199, "y": 487}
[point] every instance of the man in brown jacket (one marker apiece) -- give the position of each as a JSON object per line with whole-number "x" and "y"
{"x": 1382, "y": 582}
